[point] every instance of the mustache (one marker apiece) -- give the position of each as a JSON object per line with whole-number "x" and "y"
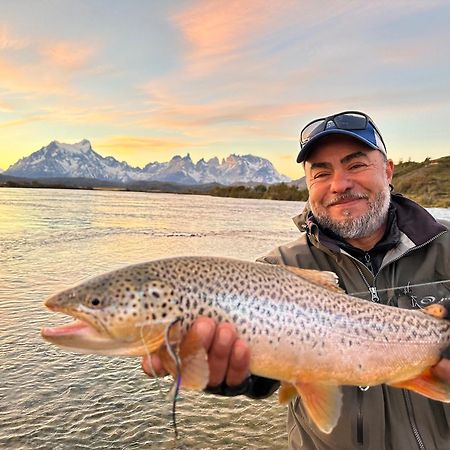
{"x": 345, "y": 197}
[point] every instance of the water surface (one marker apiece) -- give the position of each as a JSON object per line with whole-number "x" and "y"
{"x": 50, "y": 239}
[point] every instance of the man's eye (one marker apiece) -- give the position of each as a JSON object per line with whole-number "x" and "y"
{"x": 320, "y": 175}
{"x": 357, "y": 166}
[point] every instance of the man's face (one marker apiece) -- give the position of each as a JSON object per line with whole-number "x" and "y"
{"x": 348, "y": 186}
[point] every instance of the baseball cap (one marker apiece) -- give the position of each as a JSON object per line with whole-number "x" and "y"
{"x": 355, "y": 124}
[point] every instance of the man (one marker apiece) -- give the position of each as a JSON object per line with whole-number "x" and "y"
{"x": 375, "y": 241}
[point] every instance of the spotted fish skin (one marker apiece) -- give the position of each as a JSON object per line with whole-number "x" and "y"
{"x": 296, "y": 328}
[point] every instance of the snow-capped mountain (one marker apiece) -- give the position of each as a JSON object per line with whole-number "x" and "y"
{"x": 72, "y": 161}
{"x": 80, "y": 160}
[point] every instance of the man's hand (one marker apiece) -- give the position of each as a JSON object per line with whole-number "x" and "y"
{"x": 228, "y": 356}
{"x": 442, "y": 369}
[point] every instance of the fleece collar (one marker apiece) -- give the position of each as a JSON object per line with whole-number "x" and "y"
{"x": 412, "y": 220}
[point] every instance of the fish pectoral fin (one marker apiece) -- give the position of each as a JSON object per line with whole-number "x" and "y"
{"x": 193, "y": 363}
{"x": 322, "y": 402}
{"x": 328, "y": 280}
{"x": 286, "y": 392}
{"x": 153, "y": 342}
{"x": 428, "y": 385}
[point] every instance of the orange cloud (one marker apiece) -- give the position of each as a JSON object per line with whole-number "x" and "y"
{"x": 140, "y": 150}
{"x": 68, "y": 55}
{"x": 10, "y": 42}
{"x": 29, "y": 79}
{"x": 22, "y": 121}
{"x": 217, "y": 32}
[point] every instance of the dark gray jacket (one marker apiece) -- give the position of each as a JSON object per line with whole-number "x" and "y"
{"x": 381, "y": 417}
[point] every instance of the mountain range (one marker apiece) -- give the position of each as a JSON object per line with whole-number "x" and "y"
{"x": 81, "y": 161}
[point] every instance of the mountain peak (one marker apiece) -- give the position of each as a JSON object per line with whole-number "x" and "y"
{"x": 80, "y": 160}
{"x": 83, "y": 146}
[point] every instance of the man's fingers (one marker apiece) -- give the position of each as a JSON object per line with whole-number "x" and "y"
{"x": 152, "y": 366}
{"x": 228, "y": 357}
{"x": 205, "y": 329}
{"x": 219, "y": 353}
{"x": 239, "y": 363}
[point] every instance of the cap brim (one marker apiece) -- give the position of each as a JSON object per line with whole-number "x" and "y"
{"x": 308, "y": 147}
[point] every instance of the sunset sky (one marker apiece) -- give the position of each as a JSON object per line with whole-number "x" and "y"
{"x": 145, "y": 80}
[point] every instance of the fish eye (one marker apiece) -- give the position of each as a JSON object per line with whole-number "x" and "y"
{"x": 95, "y": 301}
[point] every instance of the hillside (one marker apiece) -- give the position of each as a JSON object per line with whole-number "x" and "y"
{"x": 427, "y": 182}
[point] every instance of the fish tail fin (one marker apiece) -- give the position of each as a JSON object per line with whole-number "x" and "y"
{"x": 428, "y": 385}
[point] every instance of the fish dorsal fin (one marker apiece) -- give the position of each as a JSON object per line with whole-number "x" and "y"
{"x": 428, "y": 385}
{"x": 328, "y": 280}
{"x": 194, "y": 362}
{"x": 322, "y": 402}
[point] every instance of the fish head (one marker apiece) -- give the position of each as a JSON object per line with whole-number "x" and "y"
{"x": 124, "y": 312}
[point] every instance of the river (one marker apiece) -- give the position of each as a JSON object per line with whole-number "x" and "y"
{"x": 50, "y": 239}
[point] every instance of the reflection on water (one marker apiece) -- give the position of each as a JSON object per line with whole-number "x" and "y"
{"x": 53, "y": 238}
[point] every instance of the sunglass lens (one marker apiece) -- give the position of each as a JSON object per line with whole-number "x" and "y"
{"x": 351, "y": 121}
{"x": 311, "y": 130}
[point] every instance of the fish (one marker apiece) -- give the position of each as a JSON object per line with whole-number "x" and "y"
{"x": 301, "y": 327}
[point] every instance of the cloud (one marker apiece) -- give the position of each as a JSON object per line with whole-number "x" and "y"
{"x": 218, "y": 32}
{"x": 21, "y": 121}
{"x": 68, "y": 55}
{"x": 10, "y": 42}
{"x": 30, "y": 79}
{"x": 137, "y": 143}
{"x": 140, "y": 150}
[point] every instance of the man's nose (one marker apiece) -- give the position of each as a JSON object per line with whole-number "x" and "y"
{"x": 341, "y": 182}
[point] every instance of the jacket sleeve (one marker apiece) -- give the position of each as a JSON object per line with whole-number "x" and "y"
{"x": 254, "y": 387}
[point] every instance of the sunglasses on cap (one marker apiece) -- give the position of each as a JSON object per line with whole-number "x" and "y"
{"x": 353, "y": 123}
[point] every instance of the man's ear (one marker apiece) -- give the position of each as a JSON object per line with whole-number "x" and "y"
{"x": 389, "y": 170}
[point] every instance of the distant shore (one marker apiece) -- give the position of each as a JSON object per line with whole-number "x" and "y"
{"x": 427, "y": 183}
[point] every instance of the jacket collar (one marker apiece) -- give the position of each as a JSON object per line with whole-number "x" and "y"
{"x": 415, "y": 222}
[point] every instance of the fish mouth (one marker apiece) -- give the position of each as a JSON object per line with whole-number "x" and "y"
{"x": 82, "y": 335}
{"x": 89, "y": 336}
{"x": 75, "y": 328}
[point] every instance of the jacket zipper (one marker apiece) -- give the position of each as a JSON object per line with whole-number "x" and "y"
{"x": 374, "y": 297}
{"x": 412, "y": 420}
{"x": 359, "y": 419}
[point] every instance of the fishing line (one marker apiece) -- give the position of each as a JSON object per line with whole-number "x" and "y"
{"x": 149, "y": 358}
{"x": 430, "y": 283}
{"x": 176, "y": 385}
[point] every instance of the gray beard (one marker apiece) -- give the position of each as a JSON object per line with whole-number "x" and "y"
{"x": 359, "y": 227}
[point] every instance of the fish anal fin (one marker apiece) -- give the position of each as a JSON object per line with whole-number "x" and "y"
{"x": 428, "y": 385}
{"x": 322, "y": 402}
{"x": 328, "y": 280}
{"x": 286, "y": 392}
{"x": 436, "y": 310}
{"x": 193, "y": 362}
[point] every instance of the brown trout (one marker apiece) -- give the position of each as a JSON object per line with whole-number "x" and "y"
{"x": 302, "y": 329}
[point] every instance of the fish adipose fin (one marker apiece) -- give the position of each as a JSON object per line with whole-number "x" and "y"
{"x": 322, "y": 402}
{"x": 194, "y": 363}
{"x": 429, "y": 385}
{"x": 328, "y": 280}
